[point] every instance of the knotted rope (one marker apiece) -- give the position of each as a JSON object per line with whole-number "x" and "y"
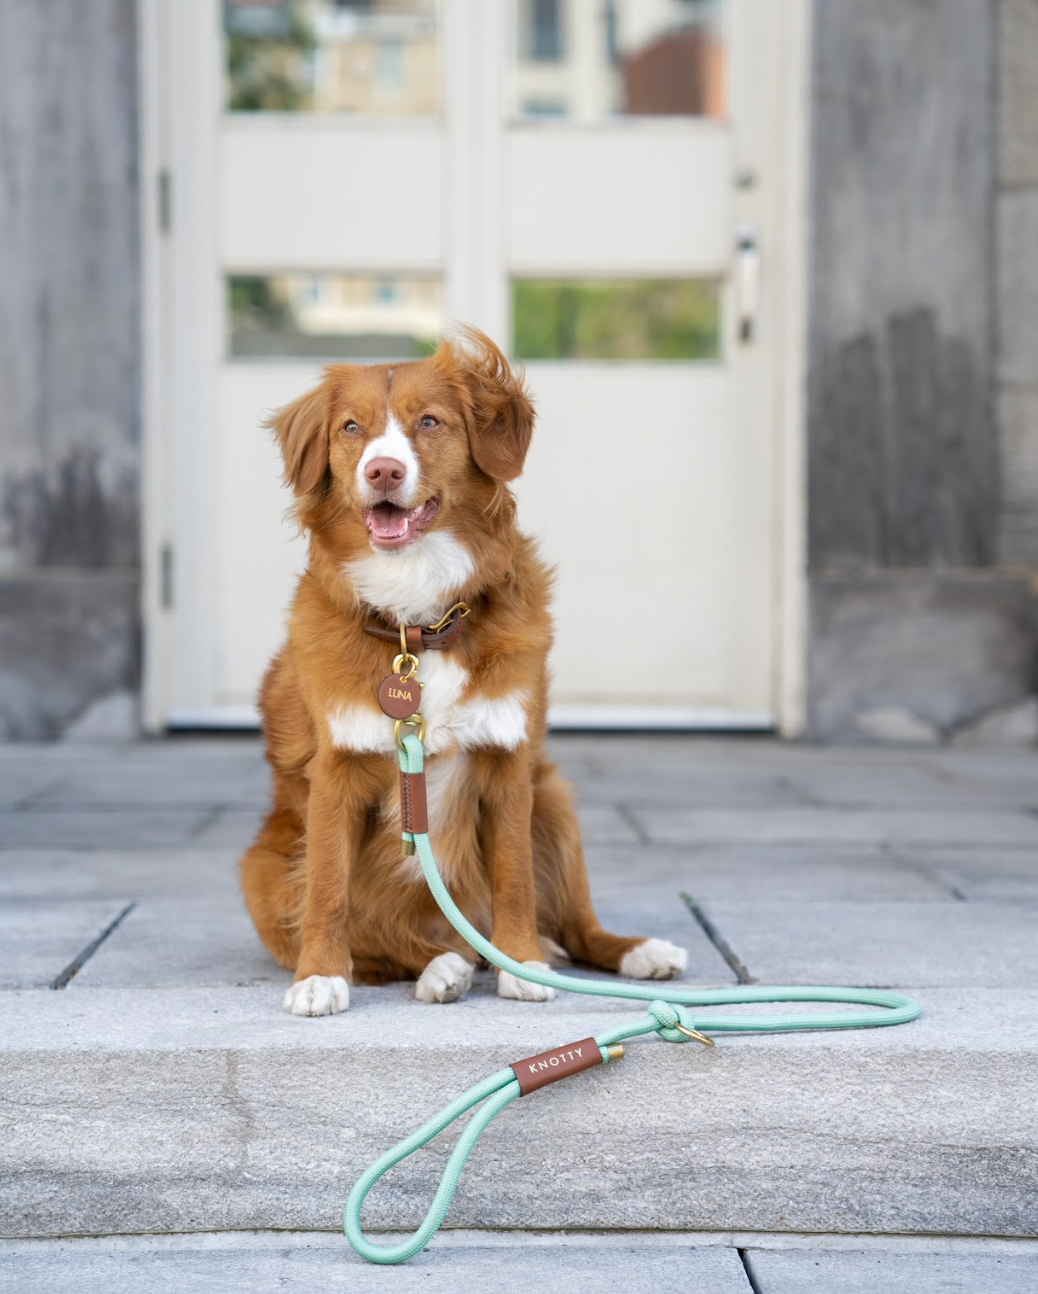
{"x": 669, "y": 1018}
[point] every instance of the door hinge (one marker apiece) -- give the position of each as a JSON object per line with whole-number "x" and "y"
{"x": 166, "y": 576}
{"x": 165, "y": 202}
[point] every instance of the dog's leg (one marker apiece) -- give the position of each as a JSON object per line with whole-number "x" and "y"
{"x": 564, "y": 904}
{"x": 507, "y": 804}
{"x": 334, "y": 829}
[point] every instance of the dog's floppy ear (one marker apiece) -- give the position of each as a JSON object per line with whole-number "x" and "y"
{"x": 301, "y": 429}
{"x": 502, "y": 413}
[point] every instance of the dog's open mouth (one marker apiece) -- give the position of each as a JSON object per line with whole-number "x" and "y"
{"x": 392, "y": 527}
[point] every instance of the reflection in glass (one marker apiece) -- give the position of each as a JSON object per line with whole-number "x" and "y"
{"x": 589, "y": 59}
{"x": 632, "y": 319}
{"x": 333, "y": 316}
{"x": 369, "y": 57}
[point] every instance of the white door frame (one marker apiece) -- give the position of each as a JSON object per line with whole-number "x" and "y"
{"x": 178, "y": 172}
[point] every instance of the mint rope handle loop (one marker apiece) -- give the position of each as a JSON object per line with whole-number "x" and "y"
{"x": 502, "y": 1088}
{"x": 498, "y": 1090}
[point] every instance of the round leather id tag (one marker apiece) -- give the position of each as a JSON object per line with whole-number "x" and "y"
{"x": 399, "y": 697}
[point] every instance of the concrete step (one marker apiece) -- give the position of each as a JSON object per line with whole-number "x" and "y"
{"x": 165, "y": 1091}
{"x": 467, "y": 1260}
{"x": 130, "y": 1109}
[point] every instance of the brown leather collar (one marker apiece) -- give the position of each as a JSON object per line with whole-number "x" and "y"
{"x": 426, "y": 637}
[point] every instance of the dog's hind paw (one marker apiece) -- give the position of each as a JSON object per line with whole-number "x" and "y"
{"x": 445, "y": 979}
{"x": 509, "y": 985}
{"x": 318, "y": 995}
{"x": 654, "y": 959}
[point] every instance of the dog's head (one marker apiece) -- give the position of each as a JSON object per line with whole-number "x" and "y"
{"x": 380, "y": 456}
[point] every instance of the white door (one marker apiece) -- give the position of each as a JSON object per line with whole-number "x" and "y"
{"x": 337, "y": 178}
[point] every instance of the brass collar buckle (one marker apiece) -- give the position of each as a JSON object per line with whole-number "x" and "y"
{"x": 447, "y": 616}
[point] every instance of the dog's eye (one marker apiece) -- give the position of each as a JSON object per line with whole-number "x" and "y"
{"x": 351, "y": 428}
{"x": 428, "y": 422}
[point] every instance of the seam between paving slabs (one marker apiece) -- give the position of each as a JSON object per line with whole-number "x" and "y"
{"x": 627, "y": 814}
{"x": 717, "y": 939}
{"x": 900, "y": 856}
{"x": 747, "y": 1266}
{"x": 81, "y": 958}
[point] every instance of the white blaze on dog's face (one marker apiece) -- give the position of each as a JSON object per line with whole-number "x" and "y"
{"x": 386, "y": 456}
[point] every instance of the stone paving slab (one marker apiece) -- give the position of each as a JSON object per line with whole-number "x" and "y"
{"x": 817, "y": 1272}
{"x": 169, "y": 942}
{"x": 983, "y": 873}
{"x": 102, "y": 828}
{"x": 39, "y": 939}
{"x": 900, "y": 789}
{"x": 197, "y": 1109}
{"x": 896, "y": 785}
{"x": 795, "y": 780}
{"x": 230, "y": 829}
{"x": 799, "y": 873}
{"x": 115, "y": 782}
{"x": 112, "y": 873}
{"x": 837, "y": 826}
{"x": 229, "y": 1263}
{"x": 653, "y": 784}
{"x": 979, "y": 767}
{"x": 20, "y": 781}
{"x": 981, "y": 945}
{"x": 232, "y": 1264}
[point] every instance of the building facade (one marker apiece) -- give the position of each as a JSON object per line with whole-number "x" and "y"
{"x": 912, "y": 534}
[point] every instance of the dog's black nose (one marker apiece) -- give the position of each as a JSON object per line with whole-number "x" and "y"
{"x": 385, "y": 474}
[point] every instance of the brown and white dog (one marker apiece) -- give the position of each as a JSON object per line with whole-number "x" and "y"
{"x": 400, "y": 476}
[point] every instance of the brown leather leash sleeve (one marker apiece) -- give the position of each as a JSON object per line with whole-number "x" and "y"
{"x": 549, "y": 1066}
{"x": 414, "y": 810}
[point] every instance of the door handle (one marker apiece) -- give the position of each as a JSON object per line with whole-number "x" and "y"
{"x": 747, "y": 283}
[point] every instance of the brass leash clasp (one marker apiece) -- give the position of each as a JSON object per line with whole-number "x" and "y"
{"x": 694, "y": 1033}
{"x": 405, "y": 658}
{"x": 415, "y": 721}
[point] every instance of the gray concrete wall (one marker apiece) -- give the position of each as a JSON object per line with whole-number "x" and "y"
{"x": 1017, "y": 278}
{"x": 69, "y": 366}
{"x": 916, "y": 502}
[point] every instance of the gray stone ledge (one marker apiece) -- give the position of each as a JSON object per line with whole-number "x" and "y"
{"x": 131, "y": 1111}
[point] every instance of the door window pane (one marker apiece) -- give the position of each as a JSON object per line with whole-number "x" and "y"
{"x": 594, "y": 59}
{"x": 368, "y": 57}
{"x": 634, "y": 319}
{"x": 333, "y": 316}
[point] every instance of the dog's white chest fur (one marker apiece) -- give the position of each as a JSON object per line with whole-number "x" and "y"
{"x": 413, "y": 586}
{"x": 450, "y": 723}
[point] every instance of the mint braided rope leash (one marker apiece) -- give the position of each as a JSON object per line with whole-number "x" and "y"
{"x": 670, "y": 1019}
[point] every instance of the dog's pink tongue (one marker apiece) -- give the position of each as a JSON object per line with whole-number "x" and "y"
{"x": 387, "y": 521}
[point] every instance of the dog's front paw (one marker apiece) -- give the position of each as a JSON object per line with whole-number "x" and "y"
{"x": 654, "y": 959}
{"x": 445, "y": 979}
{"x": 509, "y": 985}
{"x": 318, "y": 995}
